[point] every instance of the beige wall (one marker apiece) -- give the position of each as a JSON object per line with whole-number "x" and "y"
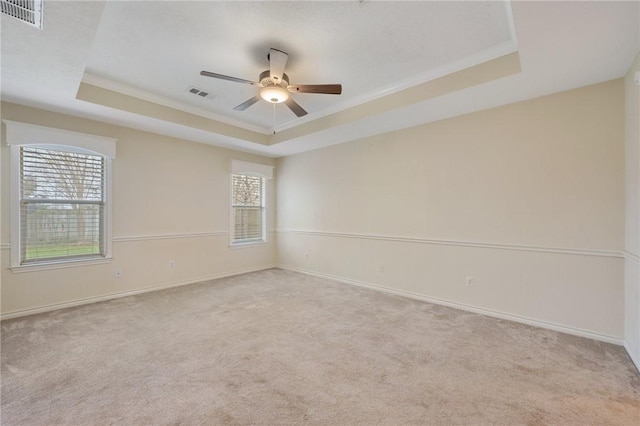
{"x": 528, "y": 199}
{"x": 170, "y": 202}
{"x": 632, "y": 234}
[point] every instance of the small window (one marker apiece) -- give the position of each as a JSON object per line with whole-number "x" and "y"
{"x": 248, "y": 209}
{"x": 62, "y": 205}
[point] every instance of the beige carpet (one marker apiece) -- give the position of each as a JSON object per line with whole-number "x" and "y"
{"x": 280, "y": 348}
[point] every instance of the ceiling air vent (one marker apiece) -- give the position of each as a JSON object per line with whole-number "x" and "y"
{"x": 29, "y": 11}
{"x": 198, "y": 92}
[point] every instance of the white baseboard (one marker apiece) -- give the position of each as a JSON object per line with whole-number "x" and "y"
{"x": 469, "y": 308}
{"x": 56, "y": 306}
{"x": 634, "y": 358}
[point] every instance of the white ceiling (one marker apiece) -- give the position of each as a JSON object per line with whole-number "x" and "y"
{"x": 155, "y": 50}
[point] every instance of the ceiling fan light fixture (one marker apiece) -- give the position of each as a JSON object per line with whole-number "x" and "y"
{"x": 274, "y": 94}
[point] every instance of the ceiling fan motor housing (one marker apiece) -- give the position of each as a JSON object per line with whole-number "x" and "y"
{"x": 266, "y": 80}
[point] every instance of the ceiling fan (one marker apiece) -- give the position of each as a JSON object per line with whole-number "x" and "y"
{"x": 274, "y": 85}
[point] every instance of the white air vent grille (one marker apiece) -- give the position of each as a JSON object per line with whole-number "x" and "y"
{"x": 29, "y": 11}
{"x": 197, "y": 92}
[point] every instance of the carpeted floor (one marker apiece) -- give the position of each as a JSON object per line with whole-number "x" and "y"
{"x": 281, "y": 348}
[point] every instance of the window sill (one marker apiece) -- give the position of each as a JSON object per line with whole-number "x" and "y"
{"x": 45, "y": 266}
{"x": 246, "y": 244}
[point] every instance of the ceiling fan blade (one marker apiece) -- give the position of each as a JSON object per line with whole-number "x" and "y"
{"x": 226, "y": 77}
{"x": 327, "y": 89}
{"x": 246, "y": 104}
{"x": 277, "y": 62}
{"x": 293, "y": 106}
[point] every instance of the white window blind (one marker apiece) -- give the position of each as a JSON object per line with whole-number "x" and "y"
{"x": 248, "y": 204}
{"x": 62, "y": 205}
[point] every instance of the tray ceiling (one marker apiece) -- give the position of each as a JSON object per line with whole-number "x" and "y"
{"x": 400, "y": 63}
{"x": 368, "y": 47}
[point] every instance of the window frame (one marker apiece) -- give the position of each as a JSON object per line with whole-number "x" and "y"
{"x": 263, "y": 171}
{"x": 263, "y": 206}
{"x": 20, "y": 135}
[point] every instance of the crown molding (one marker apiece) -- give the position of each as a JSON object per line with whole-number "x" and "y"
{"x": 124, "y": 89}
{"x": 478, "y": 58}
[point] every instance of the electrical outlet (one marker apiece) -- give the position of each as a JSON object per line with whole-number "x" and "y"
{"x": 380, "y": 268}
{"x": 306, "y": 254}
{"x": 172, "y": 264}
{"x": 469, "y": 281}
{"x": 118, "y": 273}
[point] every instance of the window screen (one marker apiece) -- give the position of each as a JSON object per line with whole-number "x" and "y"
{"x": 248, "y": 208}
{"x": 62, "y": 205}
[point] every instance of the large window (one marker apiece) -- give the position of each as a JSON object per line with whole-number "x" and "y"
{"x": 248, "y": 205}
{"x": 60, "y": 196}
{"x": 62, "y": 205}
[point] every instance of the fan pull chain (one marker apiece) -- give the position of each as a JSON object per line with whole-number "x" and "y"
{"x": 274, "y": 119}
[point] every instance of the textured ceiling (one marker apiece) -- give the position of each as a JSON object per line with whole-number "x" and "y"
{"x": 400, "y": 63}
